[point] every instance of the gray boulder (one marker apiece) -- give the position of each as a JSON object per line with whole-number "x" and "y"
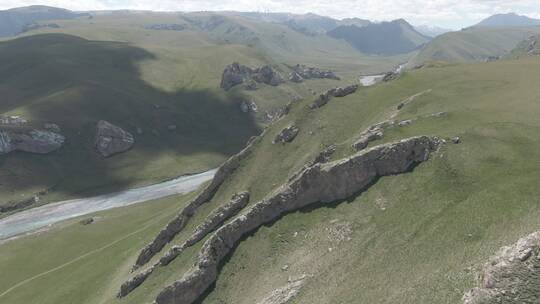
{"x": 348, "y": 90}
{"x": 111, "y": 139}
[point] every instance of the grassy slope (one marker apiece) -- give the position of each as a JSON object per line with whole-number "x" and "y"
{"x": 123, "y": 71}
{"x": 439, "y": 222}
{"x": 474, "y": 44}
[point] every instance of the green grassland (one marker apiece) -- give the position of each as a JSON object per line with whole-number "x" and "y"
{"x": 473, "y": 44}
{"x": 112, "y": 67}
{"x": 416, "y": 238}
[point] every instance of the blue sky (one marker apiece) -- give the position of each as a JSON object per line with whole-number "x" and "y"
{"x": 446, "y": 13}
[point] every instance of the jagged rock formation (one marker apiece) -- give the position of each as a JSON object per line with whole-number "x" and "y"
{"x": 179, "y": 222}
{"x": 111, "y": 139}
{"x": 286, "y": 135}
{"x": 33, "y": 141}
{"x": 512, "y": 276}
{"x": 335, "y": 92}
{"x": 319, "y": 183}
{"x": 214, "y": 220}
{"x": 235, "y": 74}
{"x": 301, "y": 72}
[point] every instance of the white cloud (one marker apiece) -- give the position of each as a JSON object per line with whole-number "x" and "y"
{"x": 449, "y": 13}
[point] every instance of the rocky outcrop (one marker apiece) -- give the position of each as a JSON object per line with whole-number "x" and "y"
{"x": 268, "y": 75}
{"x": 324, "y": 98}
{"x": 33, "y": 141}
{"x": 348, "y": 90}
{"x": 324, "y": 156}
{"x": 235, "y": 74}
{"x": 111, "y": 139}
{"x": 372, "y": 133}
{"x": 286, "y": 135}
{"x": 179, "y": 221}
{"x": 390, "y": 76}
{"x": 511, "y": 276}
{"x": 213, "y": 221}
{"x": 301, "y": 72}
{"x": 323, "y": 183}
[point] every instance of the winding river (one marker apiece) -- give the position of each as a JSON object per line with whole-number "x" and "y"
{"x": 40, "y": 217}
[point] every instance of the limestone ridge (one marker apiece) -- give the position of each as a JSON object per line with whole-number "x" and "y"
{"x": 323, "y": 183}
{"x": 511, "y": 276}
{"x": 178, "y": 223}
{"x": 213, "y": 221}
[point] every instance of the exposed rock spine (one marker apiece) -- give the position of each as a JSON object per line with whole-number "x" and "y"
{"x": 319, "y": 183}
{"x": 178, "y": 223}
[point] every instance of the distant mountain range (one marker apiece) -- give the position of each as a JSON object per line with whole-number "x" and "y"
{"x": 14, "y": 21}
{"x": 508, "y": 20}
{"x": 385, "y": 38}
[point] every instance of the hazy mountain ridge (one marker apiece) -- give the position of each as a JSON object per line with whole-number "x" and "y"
{"x": 385, "y": 38}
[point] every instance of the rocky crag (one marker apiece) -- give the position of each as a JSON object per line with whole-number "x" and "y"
{"x": 302, "y": 72}
{"x": 324, "y": 98}
{"x": 214, "y": 220}
{"x": 322, "y": 183}
{"x": 111, "y": 139}
{"x": 511, "y": 276}
{"x": 236, "y": 74}
{"x": 179, "y": 222}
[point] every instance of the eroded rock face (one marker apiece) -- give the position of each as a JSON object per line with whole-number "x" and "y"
{"x": 179, "y": 222}
{"x": 287, "y": 135}
{"x": 12, "y": 120}
{"x": 111, "y": 139}
{"x": 248, "y": 106}
{"x": 33, "y": 141}
{"x": 324, "y": 183}
{"x": 511, "y": 276}
{"x": 235, "y": 74}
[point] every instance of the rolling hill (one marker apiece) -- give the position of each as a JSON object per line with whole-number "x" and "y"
{"x": 422, "y": 236}
{"x": 473, "y": 44}
{"x": 386, "y": 38}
